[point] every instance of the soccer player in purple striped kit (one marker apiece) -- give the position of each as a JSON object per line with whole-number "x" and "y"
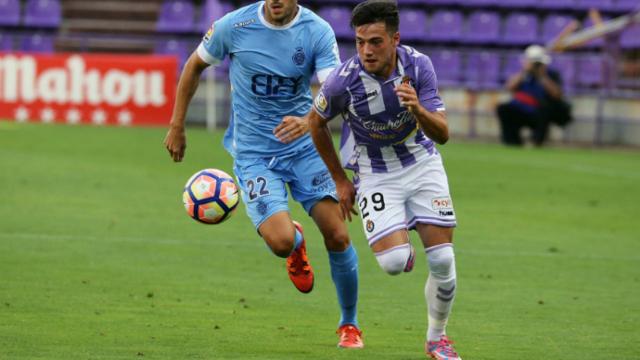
{"x": 393, "y": 114}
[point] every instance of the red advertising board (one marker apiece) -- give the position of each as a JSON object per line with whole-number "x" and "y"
{"x": 93, "y": 89}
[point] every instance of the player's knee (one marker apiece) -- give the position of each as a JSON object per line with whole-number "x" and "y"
{"x": 337, "y": 239}
{"x": 279, "y": 244}
{"x": 441, "y": 261}
{"x": 394, "y": 260}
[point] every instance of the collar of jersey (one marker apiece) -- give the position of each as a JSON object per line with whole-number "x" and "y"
{"x": 275, "y": 27}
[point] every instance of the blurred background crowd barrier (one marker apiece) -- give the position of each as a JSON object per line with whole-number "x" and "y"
{"x": 474, "y": 45}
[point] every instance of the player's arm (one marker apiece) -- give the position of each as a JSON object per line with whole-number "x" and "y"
{"x": 322, "y": 139}
{"x": 176, "y": 141}
{"x": 434, "y": 124}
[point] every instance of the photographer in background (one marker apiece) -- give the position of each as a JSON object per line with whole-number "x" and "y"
{"x": 537, "y": 100}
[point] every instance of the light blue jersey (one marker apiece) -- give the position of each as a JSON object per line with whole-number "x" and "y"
{"x": 270, "y": 73}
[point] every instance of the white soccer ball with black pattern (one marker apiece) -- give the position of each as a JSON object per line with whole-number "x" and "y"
{"x": 210, "y": 196}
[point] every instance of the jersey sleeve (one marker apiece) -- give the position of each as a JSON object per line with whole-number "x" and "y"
{"x": 327, "y": 56}
{"x": 331, "y": 99}
{"x": 216, "y": 42}
{"x": 428, "y": 93}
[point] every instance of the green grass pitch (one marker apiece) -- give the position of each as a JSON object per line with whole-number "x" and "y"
{"x": 98, "y": 259}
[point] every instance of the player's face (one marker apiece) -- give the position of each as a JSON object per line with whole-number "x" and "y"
{"x": 280, "y": 12}
{"x": 377, "y": 48}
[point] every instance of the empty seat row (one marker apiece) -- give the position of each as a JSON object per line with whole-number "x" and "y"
{"x": 605, "y": 5}
{"x": 179, "y": 16}
{"x": 481, "y": 27}
{"x": 37, "y": 13}
{"x": 490, "y": 70}
{"x": 35, "y": 42}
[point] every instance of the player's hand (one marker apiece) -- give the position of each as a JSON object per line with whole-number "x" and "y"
{"x": 347, "y": 197}
{"x": 291, "y": 128}
{"x": 176, "y": 142}
{"x": 539, "y": 71}
{"x": 408, "y": 96}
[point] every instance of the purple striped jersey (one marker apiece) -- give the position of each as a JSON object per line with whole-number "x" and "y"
{"x": 380, "y": 135}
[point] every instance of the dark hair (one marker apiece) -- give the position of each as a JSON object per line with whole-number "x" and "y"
{"x": 373, "y": 11}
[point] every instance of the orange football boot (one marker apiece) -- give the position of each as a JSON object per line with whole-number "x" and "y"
{"x": 298, "y": 267}
{"x": 350, "y": 337}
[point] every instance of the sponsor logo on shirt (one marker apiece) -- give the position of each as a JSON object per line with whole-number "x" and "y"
{"x": 398, "y": 123}
{"x": 370, "y": 94}
{"x": 244, "y": 23}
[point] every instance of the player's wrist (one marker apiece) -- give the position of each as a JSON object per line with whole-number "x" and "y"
{"x": 176, "y": 125}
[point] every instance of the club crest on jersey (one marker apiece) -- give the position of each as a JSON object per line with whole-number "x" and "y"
{"x": 370, "y": 225}
{"x": 321, "y": 102}
{"x": 209, "y": 34}
{"x": 298, "y": 57}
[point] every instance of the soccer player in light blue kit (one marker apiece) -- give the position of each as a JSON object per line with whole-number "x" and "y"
{"x": 388, "y": 96}
{"x": 275, "y": 47}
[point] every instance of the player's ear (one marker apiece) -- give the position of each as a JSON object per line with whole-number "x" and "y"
{"x": 396, "y": 38}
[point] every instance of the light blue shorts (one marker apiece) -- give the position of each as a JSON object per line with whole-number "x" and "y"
{"x": 262, "y": 183}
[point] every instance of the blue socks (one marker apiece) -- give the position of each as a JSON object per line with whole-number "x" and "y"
{"x": 297, "y": 240}
{"x": 344, "y": 272}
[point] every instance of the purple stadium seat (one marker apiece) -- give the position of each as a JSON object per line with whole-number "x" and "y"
{"x": 553, "y": 25}
{"x": 556, "y": 4}
{"x": 6, "y": 42}
{"x": 482, "y": 27}
{"x": 630, "y": 37}
{"x": 9, "y": 12}
{"x": 42, "y": 13}
{"x": 442, "y": 2}
{"x": 174, "y": 47}
{"x": 400, "y": 2}
{"x": 445, "y": 26}
{"x": 37, "y": 43}
{"x": 595, "y": 43}
{"x": 590, "y": 71}
{"x": 626, "y": 5}
{"x": 339, "y": 18}
{"x": 347, "y": 50}
{"x": 176, "y": 16}
{"x": 565, "y": 65}
{"x": 447, "y": 64}
{"x": 482, "y": 70}
{"x": 512, "y": 65}
{"x": 481, "y": 3}
{"x": 518, "y": 3}
{"x": 596, "y": 4}
{"x": 413, "y": 24}
{"x": 520, "y": 29}
{"x": 212, "y": 10}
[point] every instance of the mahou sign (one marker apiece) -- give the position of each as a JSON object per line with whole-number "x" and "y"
{"x": 93, "y": 89}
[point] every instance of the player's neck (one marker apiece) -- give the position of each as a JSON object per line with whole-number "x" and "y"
{"x": 280, "y": 22}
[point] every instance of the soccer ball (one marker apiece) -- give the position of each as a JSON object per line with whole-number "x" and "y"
{"x": 210, "y": 196}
